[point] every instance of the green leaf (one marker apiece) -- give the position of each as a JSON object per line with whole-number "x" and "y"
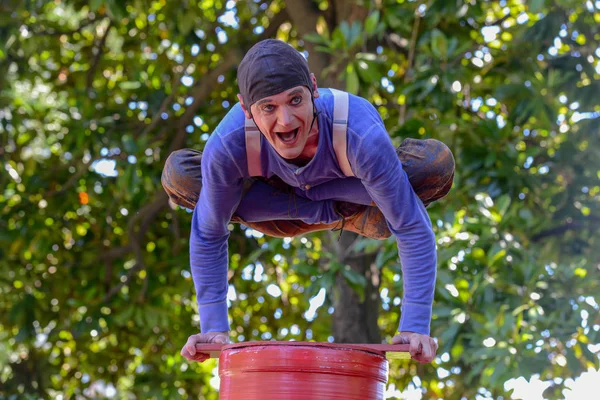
{"x": 393, "y": 21}
{"x": 503, "y": 203}
{"x": 131, "y": 85}
{"x": 314, "y": 37}
{"x": 344, "y": 28}
{"x": 338, "y": 39}
{"x": 355, "y": 280}
{"x": 368, "y": 72}
{"x": 495, "y": 254}
{"x": 536, "y": 6}
{"x": 352, "y": 83}
{"x": 129, "y": 144}
{"x": 117, "y": 8}
{"x": 355, "y": 34}
{"x": 327, "y": 280}
{"x": 448, "y": 337}
{"x": 439, "y": 44}
{"x": 95, "y": 4}
{"x": 371, "y": 22}
{"x": 498, "y": 376}
{"x": 187, "y": 21}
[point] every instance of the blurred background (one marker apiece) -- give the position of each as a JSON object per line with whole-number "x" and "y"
{"x": 96, "y": 296}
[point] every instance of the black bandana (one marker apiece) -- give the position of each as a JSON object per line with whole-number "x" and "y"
{"x": 271, "y": 67}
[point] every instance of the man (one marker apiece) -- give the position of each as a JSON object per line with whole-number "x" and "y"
{"x": 301, "y": 187}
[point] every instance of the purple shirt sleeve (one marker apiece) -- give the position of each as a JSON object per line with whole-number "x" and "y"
{"x": 221, "y": 192}
{"x": 376, "y": 163}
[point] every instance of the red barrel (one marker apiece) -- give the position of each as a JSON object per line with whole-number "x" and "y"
{"x": 301, "y": 371}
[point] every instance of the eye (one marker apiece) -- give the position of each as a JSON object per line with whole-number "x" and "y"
{"x": 267, "y": 108}
{"x": 296, "y": 100}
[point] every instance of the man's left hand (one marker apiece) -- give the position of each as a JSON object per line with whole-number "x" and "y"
{"x": 422, "y": 347}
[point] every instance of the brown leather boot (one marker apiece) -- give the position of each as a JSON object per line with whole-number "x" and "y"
{"x": 286, "y": 228}
{"x": 367, "y": 221}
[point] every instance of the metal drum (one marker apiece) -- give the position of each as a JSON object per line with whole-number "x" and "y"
{"x": 301, "y": 371}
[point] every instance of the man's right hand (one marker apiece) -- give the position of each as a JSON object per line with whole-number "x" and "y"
{"x": 189, "y": 349}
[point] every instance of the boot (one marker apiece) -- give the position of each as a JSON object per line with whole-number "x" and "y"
{"x": 367, "y": 221}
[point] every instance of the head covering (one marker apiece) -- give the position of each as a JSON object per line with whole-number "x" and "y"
{"x": 271, "y": 67}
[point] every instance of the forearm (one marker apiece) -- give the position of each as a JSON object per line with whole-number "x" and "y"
{"x": 208, "y": 260}
{"x": 220, "y": 195}
{"x": 416, "y": 248}
{"x": 418, "y": 257}
{"x": 389, "y": 187}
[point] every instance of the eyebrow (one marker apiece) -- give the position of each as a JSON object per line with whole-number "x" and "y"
{"x": 290, "y": 94}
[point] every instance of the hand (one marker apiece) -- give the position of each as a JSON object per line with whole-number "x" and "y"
{"x": 422, "y": 347}
{"x": 189, "y": 349}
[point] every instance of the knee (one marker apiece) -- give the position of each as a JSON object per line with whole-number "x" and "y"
{"x": 182, "y": 167}
{"x": 443, "y": 168}
{"x": 182, "y": 177}
{"x": 441, "y": 160}
{"x": 429, "y": 165}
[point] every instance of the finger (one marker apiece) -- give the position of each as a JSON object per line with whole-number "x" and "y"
{"x": 185, "y": 353}
{"x": 190, "y": 345}
{"x": 427, "y": 351}
{"x": 415, "y": 347}
{"x": 199, "y": 357}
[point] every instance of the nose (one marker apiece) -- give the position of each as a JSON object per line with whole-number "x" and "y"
{"x": 285, "y": 116}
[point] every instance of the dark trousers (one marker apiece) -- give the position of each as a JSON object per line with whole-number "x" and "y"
{"x": 276, "y": 209}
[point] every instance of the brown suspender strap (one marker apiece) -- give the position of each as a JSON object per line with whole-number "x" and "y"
{"x": 340, "y": 127}
{"x": 253, "y": 148}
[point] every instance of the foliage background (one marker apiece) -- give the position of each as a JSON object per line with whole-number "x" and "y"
{"x": 95, "y": 294}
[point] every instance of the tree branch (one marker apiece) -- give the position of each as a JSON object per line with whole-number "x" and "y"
{"x": 409, "y": 67}
{"x": 40, "y": 30}
{"x": 115, "y": 253}
{"x": 97, "y": 56}
{"x": 559, "y": 230}
{"x": 115, "y": 289}
{"x": 145, "y": 215}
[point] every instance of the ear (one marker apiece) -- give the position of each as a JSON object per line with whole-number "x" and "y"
{"x": 314, "y": 83}
{"x": 246, "y": 111}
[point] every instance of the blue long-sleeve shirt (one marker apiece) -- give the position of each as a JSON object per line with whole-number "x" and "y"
{"x": 378, "y": 172}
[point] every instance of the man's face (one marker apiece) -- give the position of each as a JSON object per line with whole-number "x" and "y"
{"x": 285, "y": 120}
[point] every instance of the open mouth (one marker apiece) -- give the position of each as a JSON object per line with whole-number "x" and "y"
{"x": 288, "y": 137}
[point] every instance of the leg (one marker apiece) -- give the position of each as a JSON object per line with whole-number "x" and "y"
{"x": 270, "y": 210}
{"x": 429, "y": 165}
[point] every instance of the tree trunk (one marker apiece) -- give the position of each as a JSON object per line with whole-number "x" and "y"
{"x": 355, "y": 321}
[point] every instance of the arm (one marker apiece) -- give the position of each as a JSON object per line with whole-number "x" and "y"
{"x": 376, "y": 163}
{"x": 221, "y": 192}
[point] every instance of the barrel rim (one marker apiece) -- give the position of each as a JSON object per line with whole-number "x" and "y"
{"x": 331, "y": 346}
